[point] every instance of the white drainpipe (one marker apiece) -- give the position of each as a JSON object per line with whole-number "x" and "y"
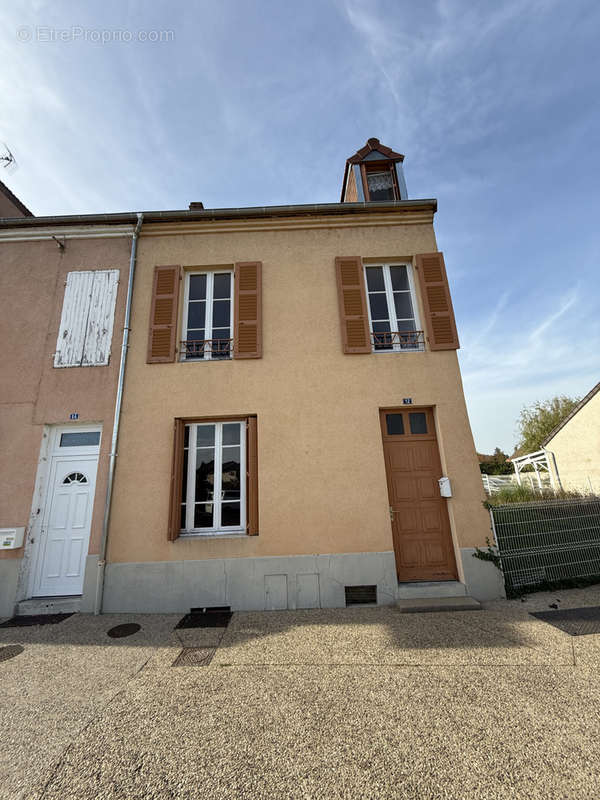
{"x": 117, "y": 419}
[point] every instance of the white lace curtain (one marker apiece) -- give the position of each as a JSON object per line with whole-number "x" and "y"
{"x": 380, "y": 180}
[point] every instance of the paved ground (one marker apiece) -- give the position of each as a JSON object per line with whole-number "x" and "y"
{"x": 349, "y": 703}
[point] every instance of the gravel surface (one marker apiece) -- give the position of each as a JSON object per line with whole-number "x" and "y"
{"x": 348, "y": 703}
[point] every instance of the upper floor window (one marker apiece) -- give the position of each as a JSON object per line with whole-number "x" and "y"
{"x": 207, "y": 316}
{"x": 86, "y": 322}
{"x": 381, "y": 185}
{"x": 393, "y": 313}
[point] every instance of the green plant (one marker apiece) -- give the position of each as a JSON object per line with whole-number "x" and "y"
{"x": 488, "y": 555}
{"x": 528, "y": 494}
{"x": 539, "y": 419}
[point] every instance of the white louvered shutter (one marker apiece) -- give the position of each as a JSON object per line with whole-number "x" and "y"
{"x": 86, "y": 324}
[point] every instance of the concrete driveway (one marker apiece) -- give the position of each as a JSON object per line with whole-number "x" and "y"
{"x": 349, "y": 703}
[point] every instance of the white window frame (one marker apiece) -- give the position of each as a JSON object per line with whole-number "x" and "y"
{"x": 210, "y": 277}
{"x": 190, "y": 497}
{"x": 389, "y": 295}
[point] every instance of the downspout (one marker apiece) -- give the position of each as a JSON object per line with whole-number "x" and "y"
{"x": 116, "y": 421}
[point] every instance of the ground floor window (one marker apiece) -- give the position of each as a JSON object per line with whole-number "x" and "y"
{"x": 214, "y": 482}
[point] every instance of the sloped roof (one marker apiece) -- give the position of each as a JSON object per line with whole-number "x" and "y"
{"x": 570, "y": 416}
{"x": 15, "y": 200}
{"x": 371, "y": 145}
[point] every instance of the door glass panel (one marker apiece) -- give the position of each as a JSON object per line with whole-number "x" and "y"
{"x": 375, "y": 279}
{"x": 205, "y": 436}
{"x": 222, "y": 283}
{"x": 230, "y": 514}
{"x": 205, "y": 474}
{"x": 395, "y": 424}
{"x": 379, "y": 309}
{"x": 221, "y": 313}
{"x": 203, "y": 515}
{"x": 197, "y": 287}
{"x": 382, "y": 338}
{"x": 196, "y": 315}
{"x": 231, "y": 433}
{"x": 418, "y": 422}
{"x": 230, "y": 474}
{"x": 399, "y": 277}
{"x": 80, "y": 439}
{"x": 403, "y": 304}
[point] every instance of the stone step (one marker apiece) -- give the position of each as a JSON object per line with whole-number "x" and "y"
{"x": 407, "y": 591}
{"x": 48, "y": 605}
{"x": 414, "y": 605}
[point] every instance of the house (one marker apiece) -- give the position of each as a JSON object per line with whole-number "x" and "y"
{"x": 291, "y": 399}
{"x": 574, "y": 446}
{"x": 63, "y": 284}
{"x": 10, "y": 205}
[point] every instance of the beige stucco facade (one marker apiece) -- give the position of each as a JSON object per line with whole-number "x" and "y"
{"x": 35, "y": 396}
{"x": 321, "y": 472}
{"x": 576, "y": 448}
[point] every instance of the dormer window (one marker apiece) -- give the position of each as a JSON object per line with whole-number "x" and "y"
{"x": 381, "y": 185}
{"x": 374, "y": 174}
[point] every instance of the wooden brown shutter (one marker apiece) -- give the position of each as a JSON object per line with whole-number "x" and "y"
{"x": 247, "y": 335}
{"x": 437, "y": 304}
{"x": 163, "y": 315}
{"x": 252, "y": 477}
{"x": 356, "y": 337}
{"x": 176, "y": 481}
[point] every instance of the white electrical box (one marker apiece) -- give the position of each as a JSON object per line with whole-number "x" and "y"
{"x": 445, "y": 488}
{"x": 11, "y": 538}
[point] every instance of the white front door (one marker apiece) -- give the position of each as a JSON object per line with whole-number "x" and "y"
{"x": 65, "y": 530}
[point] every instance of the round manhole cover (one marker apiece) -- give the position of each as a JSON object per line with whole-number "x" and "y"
{"x": 10, "y": 651}
{"x": 126, "y": 629}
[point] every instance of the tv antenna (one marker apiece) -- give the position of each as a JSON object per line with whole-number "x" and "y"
{"x": 7, "y": 159}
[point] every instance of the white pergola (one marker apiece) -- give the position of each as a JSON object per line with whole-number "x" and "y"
{"x": 540, "y": 461}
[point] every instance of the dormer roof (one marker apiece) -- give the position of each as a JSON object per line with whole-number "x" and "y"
{"x": 370, "y": 151}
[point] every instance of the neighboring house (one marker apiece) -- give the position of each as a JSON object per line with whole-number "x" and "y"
{"x": 62, "y": 288}
{"x": 11, "y": 206}
{"x": 575, "y": 446}
{"x": 292, "y": 397}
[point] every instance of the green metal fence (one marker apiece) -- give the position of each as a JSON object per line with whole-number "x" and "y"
{"x": 546, "y": 542}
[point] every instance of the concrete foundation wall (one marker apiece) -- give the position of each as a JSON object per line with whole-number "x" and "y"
{"x": 259, "y": 584}
{"x": 9, "y": 577}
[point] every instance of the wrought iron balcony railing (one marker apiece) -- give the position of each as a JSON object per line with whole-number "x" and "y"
{"x": 398, "y": 340}
{"x": 206, "y": 348}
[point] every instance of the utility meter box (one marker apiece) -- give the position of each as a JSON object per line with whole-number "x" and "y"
{"x": 11, "y": 538}
{"x": 445, "y": 488}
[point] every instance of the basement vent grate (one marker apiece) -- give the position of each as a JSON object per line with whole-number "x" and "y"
{"x": 34, "y": 619}
{"x": 194, "y": 657}
{"x": 574, "y": 621}
{"x": 123, "y": 630}
{"x": 215, "y": 617}
{"x": 361, "y": 595}
{"x": 10, "y": 651}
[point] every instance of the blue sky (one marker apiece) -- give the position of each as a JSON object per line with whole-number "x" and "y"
{"x": 254, "y": 102}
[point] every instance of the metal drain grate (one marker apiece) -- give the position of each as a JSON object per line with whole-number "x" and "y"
{"x": 125, "y": 629}
{"x": 194, "y": 657}
{"x": 10, "y": 651}
{"x": 360, "y": 595}
{"x": 574, "y": 621}
{"x": 35, "y": 619}
{"x": 217, "y": 617}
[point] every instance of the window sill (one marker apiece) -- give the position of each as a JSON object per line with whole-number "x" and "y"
{"x": 399, "y": 352}
{"x": 216, "y": 535}
{"x": 204, "y": 360}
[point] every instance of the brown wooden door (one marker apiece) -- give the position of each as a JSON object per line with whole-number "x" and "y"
{"x": 420, "y": 523}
